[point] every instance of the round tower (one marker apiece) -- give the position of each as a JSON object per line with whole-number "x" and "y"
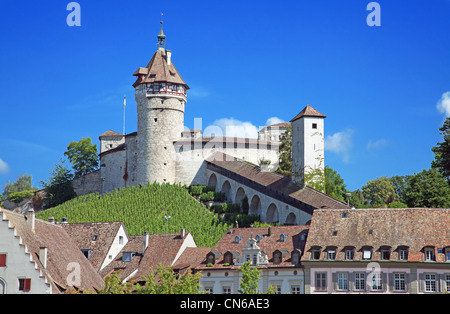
{"x": 161, "y": 96}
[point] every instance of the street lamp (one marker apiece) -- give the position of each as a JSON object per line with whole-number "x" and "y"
{"x": 167, "y": 222}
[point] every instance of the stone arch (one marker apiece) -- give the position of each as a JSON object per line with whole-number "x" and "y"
{"x": 2, "y": 286}
{"x": 226, "y": 188}
{"x": 291, "y": 219}
{"x": 240, "y": 193}
{"x": 255, "y": 206}
{"x": 272, "y": 214}
{"x": 212, "y": 180}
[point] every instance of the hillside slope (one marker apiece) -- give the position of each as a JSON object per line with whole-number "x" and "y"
{"x": 143, "y": 209}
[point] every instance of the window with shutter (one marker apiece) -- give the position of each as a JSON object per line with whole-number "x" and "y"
{"x": 2, "y": 260}
{"x": 25, "y": 284}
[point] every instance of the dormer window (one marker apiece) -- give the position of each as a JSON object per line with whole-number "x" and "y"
{"x": 283, "y": 237}
{"x": 229, "y": 257}
{"x": 295, "y": 257}
{"x": 212, "y": 257}
{"x": 366, "y": 253}
{"x": 315, "y": 253}
{"x": 429, "y": 254}
{"x": 349, "y": 254}
{"x": 385, "y": 254}
{"x": 127, "y": 256}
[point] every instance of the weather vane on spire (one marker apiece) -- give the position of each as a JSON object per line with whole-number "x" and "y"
{"x": 161, "y": 37}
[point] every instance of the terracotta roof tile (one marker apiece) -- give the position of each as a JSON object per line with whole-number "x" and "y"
{"x": 97, "y": 237}
{"x": 275, "y": 182}
{"x": 308, "y": 111}
{"x": 61, "y": 252}
{"x": 414, "y": 228}
{"x": 268, "y": 244}
{"x": 158, "y": 70}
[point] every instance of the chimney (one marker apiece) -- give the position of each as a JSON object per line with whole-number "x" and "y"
{"x": 43, "y": 256}
{"x": 145, "y": 242}
{"x": 183, "y": 233}
{"x": 64, "y": 220}
{"x": 51, "y": 219}
{"x": 32, "y": 218}
{"x": 169, "y": 57}
{"x": 269, "y": 231}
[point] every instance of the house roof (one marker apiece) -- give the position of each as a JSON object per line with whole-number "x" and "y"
{"x": 158, "y": 70}
{"x": 274, "y": 182}
{"x": 414, "y": 228}
{"x": 268, "y": 244}
{"x": 62, "y": 251}
{"x": 308, "y": 111}
{"x": 110, "y": 133}
{"x": 161, "y": 250}
{"x": 191, "y": 258}
{"x": 134, "y": 245}
{"x": 96, "y": 236}
{"x": 275, "y": 126}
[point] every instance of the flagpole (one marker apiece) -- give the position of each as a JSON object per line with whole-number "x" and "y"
{"x": 124, "y": 106}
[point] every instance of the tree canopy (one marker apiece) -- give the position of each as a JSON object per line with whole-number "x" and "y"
{"x": 441, "y": 152}
{"x": 83, "y": 156}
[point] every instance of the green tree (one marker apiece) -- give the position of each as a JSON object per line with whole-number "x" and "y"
{"x": 83, "y": 156}
{"x": 334, "y": 184}
{"x": 429, "y": 189}
{"x": 23, "y": 183}
{"x": 250, "y": 278}
{"x": 357, "y": 200}
{"x": 59, "y": 186}
{"x": 285, "y": 162}
{"x": 170, "y": 283}
{"x": 379, "y": 191}
{"x": 441, "y": 152}
{"x": 400, "y": 183}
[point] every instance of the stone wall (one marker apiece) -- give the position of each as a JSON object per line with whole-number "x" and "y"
{"x": 90, "y": 183}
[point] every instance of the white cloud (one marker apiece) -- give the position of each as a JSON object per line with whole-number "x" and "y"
{"x": 273, "y": 120}
{"x": 4, "y": 168}
{"x": 443, "y": 104}
{"x": 377, "y": 145}
{"x": 340, "y": 143}
{"x": 232, "y": 128}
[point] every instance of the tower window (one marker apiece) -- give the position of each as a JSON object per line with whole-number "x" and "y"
{"x": 156, "y": 120}
{"x": 314, "y": 125}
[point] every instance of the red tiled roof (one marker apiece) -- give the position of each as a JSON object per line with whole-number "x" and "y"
{"x": 83, "y": 235}
{"x": 268, "y": 244}
{"x": 308, "y": 111}
{"x": 158, "y": 70}
{"x": 415, "y": 228}
{"x": 61, "y": 252}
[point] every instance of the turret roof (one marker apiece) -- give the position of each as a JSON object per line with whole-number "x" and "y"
{"x": 308, "y": 111}
{"x": 159, "y": 70}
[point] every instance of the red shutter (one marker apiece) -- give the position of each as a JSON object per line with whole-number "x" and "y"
{"x": 27, "y": 284}
{"x": 2, "y": 260}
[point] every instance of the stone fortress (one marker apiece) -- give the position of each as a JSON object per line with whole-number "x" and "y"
{"x": 163, "y": 151}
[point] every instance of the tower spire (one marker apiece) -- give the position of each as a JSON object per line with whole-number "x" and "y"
{"x": 161, "y": 37}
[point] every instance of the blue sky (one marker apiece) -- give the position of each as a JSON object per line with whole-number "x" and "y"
{"x": 384, "y": 89}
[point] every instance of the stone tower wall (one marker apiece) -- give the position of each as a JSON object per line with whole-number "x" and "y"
{"x": 160, "y": 123}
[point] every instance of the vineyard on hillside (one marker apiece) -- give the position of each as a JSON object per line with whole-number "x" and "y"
{"x": 142, "y": 209}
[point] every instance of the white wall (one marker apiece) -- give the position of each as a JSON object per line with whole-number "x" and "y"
{"x": 18, "y": 264}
